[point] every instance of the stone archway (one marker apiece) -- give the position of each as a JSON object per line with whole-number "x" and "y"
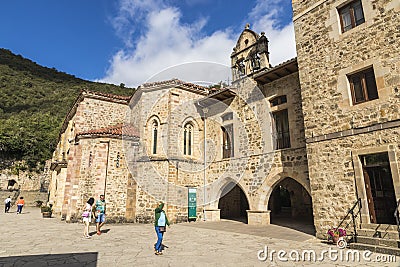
{"x": 233, "y": 204}
{"x": 291, "y": 206}
{"x": 12, "y": 185}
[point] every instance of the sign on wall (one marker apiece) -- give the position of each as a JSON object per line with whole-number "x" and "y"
{"x": 192, "y": 215}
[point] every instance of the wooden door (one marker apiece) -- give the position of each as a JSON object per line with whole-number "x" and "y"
{"x": 370, "y": 199}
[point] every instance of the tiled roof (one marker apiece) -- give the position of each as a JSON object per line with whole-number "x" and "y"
{"x": 112, "y": 96}
{"x": 116, "y": 130}
{"x": 285, "y": 68}
{"x": 177, "y": 82}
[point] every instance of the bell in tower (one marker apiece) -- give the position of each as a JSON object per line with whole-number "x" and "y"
{"x": 250, "y": 55}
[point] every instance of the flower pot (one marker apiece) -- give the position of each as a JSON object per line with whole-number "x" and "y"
{"x": 335, "y": 238}
{"x": 46, "y": 214}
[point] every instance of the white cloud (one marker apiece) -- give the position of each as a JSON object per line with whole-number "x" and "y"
{"x": 165, "y": 41}
{"x": 282, "y": 45}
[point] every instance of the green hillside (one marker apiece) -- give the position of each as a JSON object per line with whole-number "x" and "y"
{"x": 34, "y": 101}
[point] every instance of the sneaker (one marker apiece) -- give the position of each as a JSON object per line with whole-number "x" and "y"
{"x": 88, "y": 236}
{"x": 98, "y": 233}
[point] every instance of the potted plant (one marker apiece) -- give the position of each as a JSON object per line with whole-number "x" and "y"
{"x": 336, "y": 233}
{"x": 46, "y": 211}
{"x": 39, "y": 203}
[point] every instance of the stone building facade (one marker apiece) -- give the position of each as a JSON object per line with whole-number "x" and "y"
{"x": 349, "y": 65}
{"x": 303, "y": 140}
{"x": 87, "y": 159}
{"x": 252, "y": 135}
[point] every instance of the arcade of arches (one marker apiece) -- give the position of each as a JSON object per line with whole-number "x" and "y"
{"x": 290, "y": 205}
{"x": 233, "y": 204}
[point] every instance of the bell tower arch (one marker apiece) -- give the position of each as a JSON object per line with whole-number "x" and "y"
{"x": 250, "y": 55}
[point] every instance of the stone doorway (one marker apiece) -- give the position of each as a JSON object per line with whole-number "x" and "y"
{"x": 233, "y": 204}
{"x": 12, "y": 185}
{"x": 290, "y": 205}
{"x": 379, "y": 188}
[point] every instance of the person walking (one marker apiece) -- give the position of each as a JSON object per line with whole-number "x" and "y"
{"x": 7, "y": 204}
{"x": 87, "y": 216}
{"x": 20, "y": 204}
{"x": 160, "y": 225}
{"x": 100, "y": 213}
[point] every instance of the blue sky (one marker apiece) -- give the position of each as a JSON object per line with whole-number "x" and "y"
{"x": 129, "y": 41}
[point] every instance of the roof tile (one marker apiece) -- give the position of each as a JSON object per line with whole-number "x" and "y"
{"x": 117, "y": 130}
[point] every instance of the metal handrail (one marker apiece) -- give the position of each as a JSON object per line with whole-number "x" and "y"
{"x": 354, "y": 216}
{"x": 396, "y": 215}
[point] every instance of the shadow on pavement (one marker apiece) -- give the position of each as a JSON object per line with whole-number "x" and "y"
{"x": 70, "y": 259}
{"x": 300, "y": 225}
{"x": 290, "y": 231}
{"x": 102, "y": 231}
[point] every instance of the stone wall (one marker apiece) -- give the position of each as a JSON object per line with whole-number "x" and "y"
{"x": 301, "y": 6}
{"x": 25, "y": 180}
{"x": 171, "y": 107}
{"x": 336, "y": 130}
{"x": 333, "y": 177}
{"x": 325, "y": 56}
{"x": 70, "y": 160}
{"x": 255, "y": 166}
{"x": 95, "y": 113}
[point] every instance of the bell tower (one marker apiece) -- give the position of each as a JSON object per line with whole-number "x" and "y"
{"x": 250, "y": 55}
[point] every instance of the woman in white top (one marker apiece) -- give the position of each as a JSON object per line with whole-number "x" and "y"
{"x": 87, "y": 217}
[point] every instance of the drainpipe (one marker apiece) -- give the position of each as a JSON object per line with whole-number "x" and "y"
{"x": 205, "y": 110}
{"x": 355, "y": 181}
{"x": 105, "y": 178}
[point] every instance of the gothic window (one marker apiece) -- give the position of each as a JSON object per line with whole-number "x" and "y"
{"x": 155, "y": 136}
{"x": 227, "y": 141}
{"x": 363, "y": 86}
{"x": 351, "y": 15}
{"x": 188, "y": 139}
{"x": 281, "y": 132}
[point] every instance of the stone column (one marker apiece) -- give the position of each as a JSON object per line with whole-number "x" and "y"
{"x": 258, "y": 217}
{"x": 212, "y": 215}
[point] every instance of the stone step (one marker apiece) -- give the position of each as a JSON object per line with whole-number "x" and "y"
{"x": 394, "y": 235}
{"x": 378, "y": 241}
{"x": 376, "y": 249}
{"x": 379, "y": 227}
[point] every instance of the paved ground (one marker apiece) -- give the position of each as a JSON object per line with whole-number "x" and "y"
{"x": 27, "y": 239}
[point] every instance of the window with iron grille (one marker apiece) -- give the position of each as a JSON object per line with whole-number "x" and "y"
{"x": 227, "y": 141}
{"x": 351, "y": 15}
{"x": 281, "y": 132}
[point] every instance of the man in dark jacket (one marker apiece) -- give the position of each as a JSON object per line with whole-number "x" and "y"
{"x": 160, "y": 224}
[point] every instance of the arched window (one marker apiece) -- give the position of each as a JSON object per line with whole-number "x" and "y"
{"x": 155, "y": 134}
{"x": 187, "y": 139}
